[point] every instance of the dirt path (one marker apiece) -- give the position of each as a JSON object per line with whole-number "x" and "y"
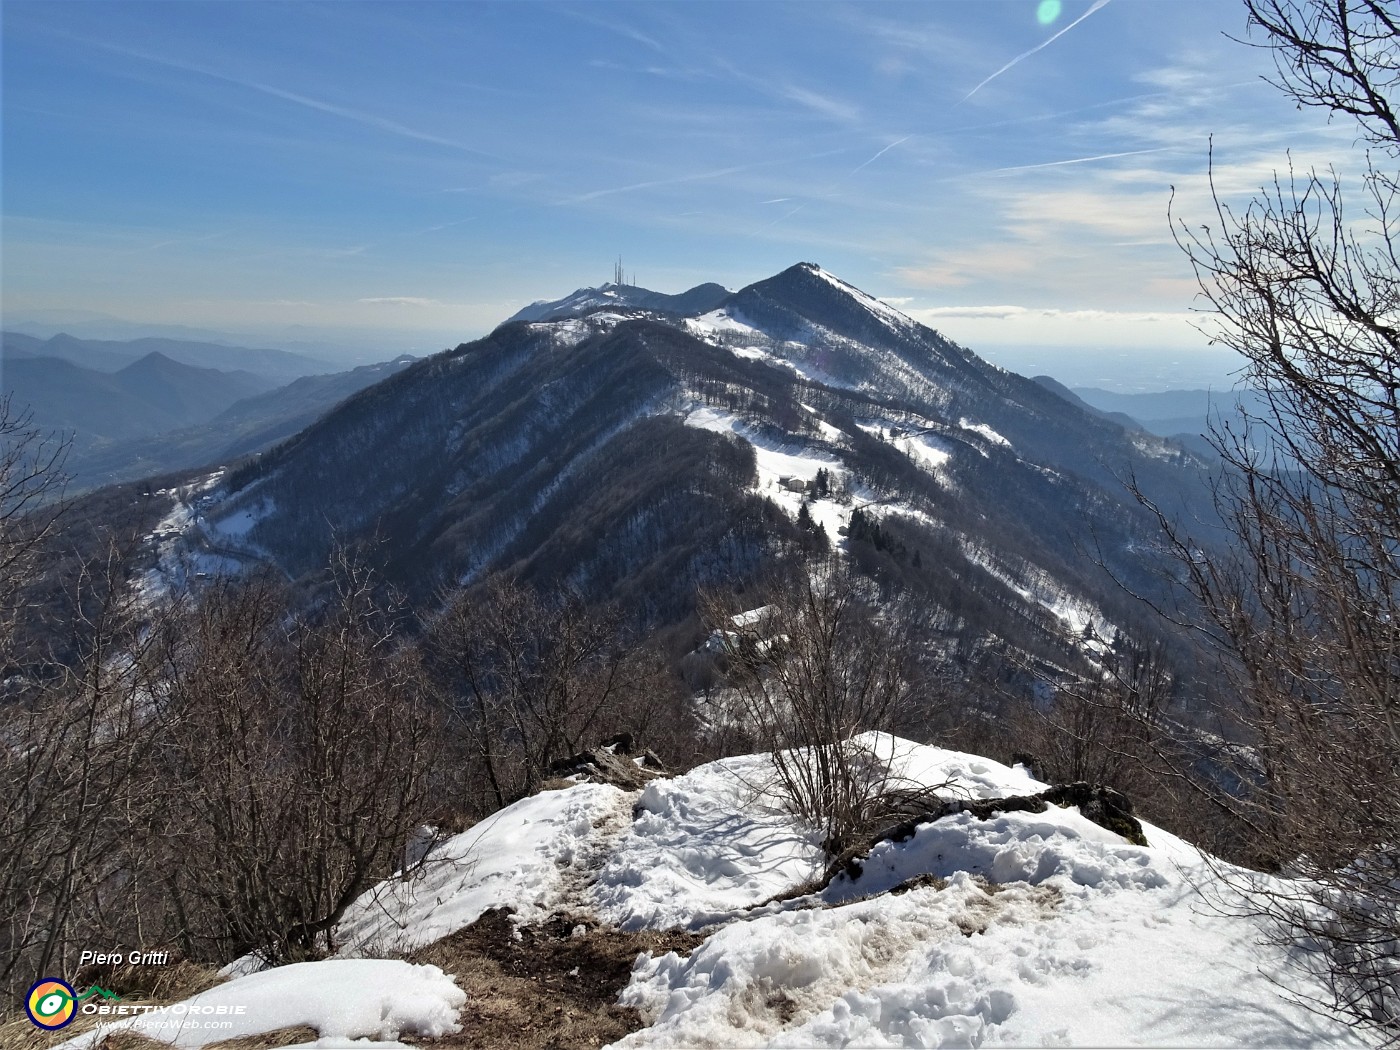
{"x": 548, "y": 986}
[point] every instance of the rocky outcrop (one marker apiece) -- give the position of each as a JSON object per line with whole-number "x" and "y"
{"x": 615, "y": 762}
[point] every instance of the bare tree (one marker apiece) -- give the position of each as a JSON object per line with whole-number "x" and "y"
{"x": 295, "y": 765}
{"x": 31, "y": 486}
{"x": 810, "y": 671}
{"x": 1307, "y": 608}
{"x": 73, "y": 745}
{"x": 535, "y": 677}
{"x": 1105, "y": 725}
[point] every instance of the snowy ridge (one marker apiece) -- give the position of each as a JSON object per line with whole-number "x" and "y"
{"x": 1025, "y": 929}
{"x": 885, "y": 313}
{"x": 1021, "y": 929}
{"x": 1041, "y": 589}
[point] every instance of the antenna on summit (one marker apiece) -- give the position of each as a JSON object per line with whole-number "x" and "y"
{"x": 618, "y": 278}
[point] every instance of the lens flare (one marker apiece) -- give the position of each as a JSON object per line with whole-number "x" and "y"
{"x": 1048, "y": 11}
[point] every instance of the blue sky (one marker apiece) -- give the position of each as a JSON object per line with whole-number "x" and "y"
{"x": 406, "y": 175}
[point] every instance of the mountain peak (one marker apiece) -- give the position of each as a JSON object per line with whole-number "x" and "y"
{"x": 156, "y": 361}
{"x": 697, "y": 300}
{"x": 808, "y": 292}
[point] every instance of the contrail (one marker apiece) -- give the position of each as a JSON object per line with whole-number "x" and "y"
{"x": 358, "y": 116}
{"x": 1078, "y": 160}
{"x": 877, "y": 156}
{"x": 1044, "y": 43}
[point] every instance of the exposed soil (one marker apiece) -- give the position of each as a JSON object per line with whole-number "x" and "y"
{"x": 549, "y": 986}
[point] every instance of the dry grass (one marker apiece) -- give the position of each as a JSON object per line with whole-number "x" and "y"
{"x": 555, "y": 988}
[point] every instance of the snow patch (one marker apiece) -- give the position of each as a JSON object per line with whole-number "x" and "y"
{"x": 704, "y": 848}
{"x": 343, "y": 999}
{"x": 1025, "y": 930}
{"x": 986, "y": 431}
{"x": 241, "y": 522}
{"x": 513, "y": 858}
{"x": 776, "y": 461}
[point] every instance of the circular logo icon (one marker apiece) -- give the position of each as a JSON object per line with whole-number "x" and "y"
{"x": 51, "y": 1003}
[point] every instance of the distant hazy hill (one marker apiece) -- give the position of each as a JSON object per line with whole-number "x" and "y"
{"x": 1056, "y": 387}
{"x": 103, "y": 355}
{"x": 151, "y": 394}
{"x": 249, "y": 425}
{"x": 1183, "y": 414}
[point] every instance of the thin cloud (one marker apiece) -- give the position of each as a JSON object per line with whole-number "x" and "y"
{"x": 697, "y": 177}
{"x": 1075, "y": 160}
{"x": 823, "y": 104}
{"x": 1007, "y": 312}
{"x": 620, "y": 28}
{"x": 1043, "y": 44}
{"x": 370, "y": 120}
{"x": 400, "y": 300}
{"x": 872, "y": 160}
{"x": 998, "y": 313}
{"x": 677, "y": 180}
{"x": 446, "y": 225}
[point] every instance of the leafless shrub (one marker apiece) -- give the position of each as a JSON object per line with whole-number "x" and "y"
{"x": 810, "y": 671}
{"x": 294, "y": 764}
{"x": 534, "y": 678}
{"x": 1306, "y": 612}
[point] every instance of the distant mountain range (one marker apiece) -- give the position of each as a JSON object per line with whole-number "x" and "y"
{"x": 634, "y": 452}
{"x": 249, "y": 425}
{"x": 103, "y": 355}
{"x": 129, "y": 414}
{"x": 1186, "y": 415}
{"x": 151, "y": 394}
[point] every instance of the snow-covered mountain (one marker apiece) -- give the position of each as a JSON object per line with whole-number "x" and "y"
{"x": 699, "y": 299}
{"x": 633, "y": 452}
{"x": 987, "y": 926}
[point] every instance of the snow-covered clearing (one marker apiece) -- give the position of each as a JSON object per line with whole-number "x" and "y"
{"x": 1041, "y": 589}
{"x": 924, "y": 449}
{"x": 777, "y": 461}
{"x": 831, "y": 433}
{"x": 986, "y": 431}
{"x": 241, "y": 522}
{"x": 721, "y": 320}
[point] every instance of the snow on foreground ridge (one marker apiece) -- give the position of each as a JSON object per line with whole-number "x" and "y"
{"x": 1039, "y": 929}
{"x": 1042, "y": 930}
{"x": 1025, "y": 929}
